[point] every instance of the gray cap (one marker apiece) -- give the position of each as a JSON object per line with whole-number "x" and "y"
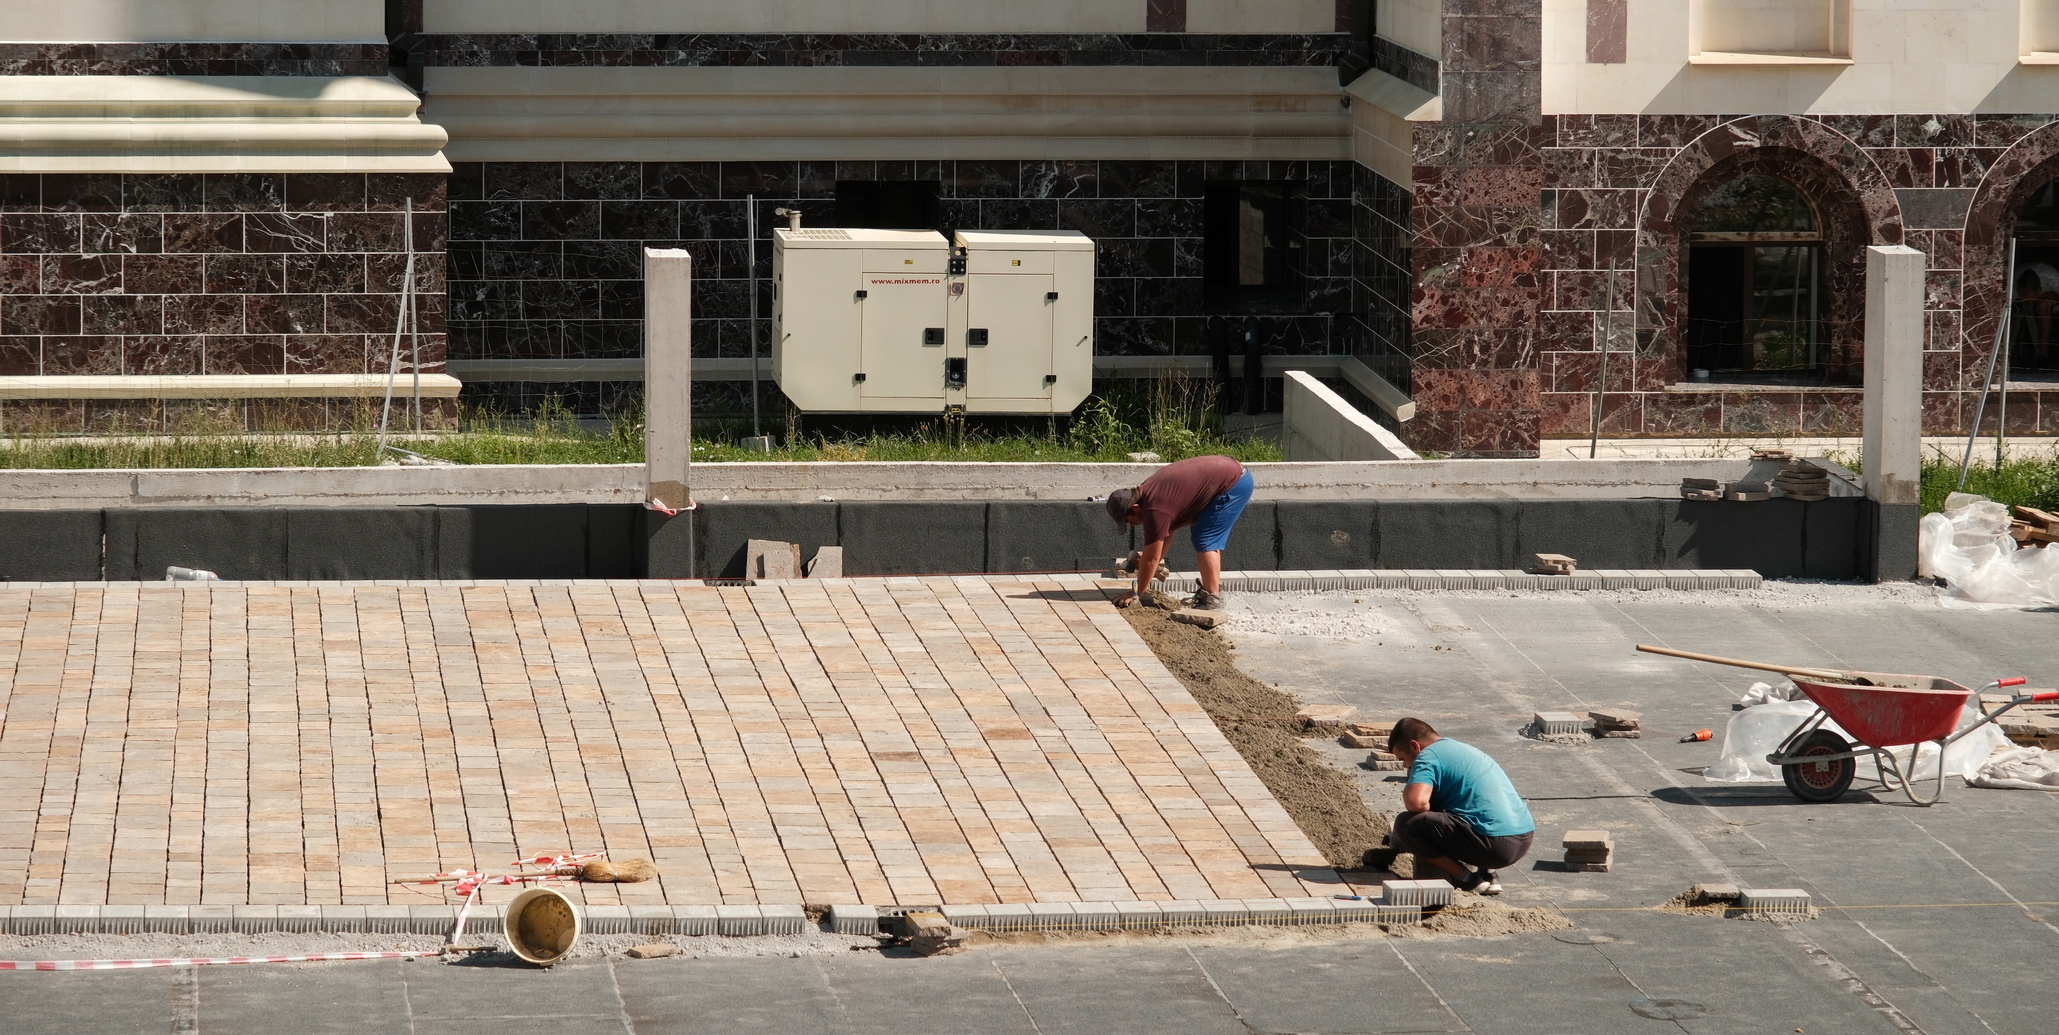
{"x": 1119, "y": 503}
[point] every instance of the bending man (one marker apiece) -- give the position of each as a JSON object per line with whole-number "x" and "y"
{"x": 1206, "y": 492}
{"x": 1460, "y": 809}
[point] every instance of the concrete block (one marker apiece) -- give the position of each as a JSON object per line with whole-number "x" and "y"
{"x": 1460, "y": 534}
{"x": 1416, "y": 892}
{"x": 516, "y": 541}
{"x": 233, "y": 542}
{"x": 864, "y": 920}
{"x": 388, "y": 920}
{"x": 211, "y": 919}
{"x": 828, "y": 563}
{"x": 1195, "y": 617}
{"x": 1385, "y": 913}
{"x": 1601, "y": 533}
{"x": 1892, "y": 556}
{"x": 1773, "y": 900}
{"x": 76, "y": 919}
{"x": 970, "y": 917}
{"x": 1891, "y": 411}
{"x": 1306, "y": 911}
{"x": 612, "y": 530}
{"x": 1009, "y": 916}
{"x": 486, "y": 918}
{"x": 1225, "y": 912}
{"x": 650, "y": 919}
{"x": 941, "y": 537}
{"x": 32, "y": 919}
{"x": 1254, "y": 541}
{"x": 172, "y": 920}
{"x": 606, "y": 920}
{"x": 51, "y": 546}
{"x": 432, "y": 919}
{"x": 771, "y": 559}
{"x": 1183, "y": 911}
{"x": 299, "y": 919}
{"x": 783, "y": 918}
{"x": 694, "y": 920}
{"x": 1052, "y": 916}
{"x": 1140, "y": 916}
{"x": 360, "y": 542}
{"x": 1718, "y": 892}
{"x": 1095, "y": 916}
{"x": 1342, "y": 534}
{"x": 739, "y": 920}
{"x": 665, "y": 546}
{"x": 1555, "y": 723}
{"x": 1052, "y": 535}
{"x": 1269, "y": 911}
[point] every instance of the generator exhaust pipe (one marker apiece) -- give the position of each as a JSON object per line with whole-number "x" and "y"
{"x": 793, "y": 217}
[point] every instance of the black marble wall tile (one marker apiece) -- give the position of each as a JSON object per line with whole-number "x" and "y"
{"x": 880, "y": 49}
{"x": 194, "y": 59}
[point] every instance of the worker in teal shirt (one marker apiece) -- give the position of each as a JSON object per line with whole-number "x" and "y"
{"x": 1460, "y": 810}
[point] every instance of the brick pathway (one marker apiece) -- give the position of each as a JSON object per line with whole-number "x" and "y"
{"x": 870, "y": 740}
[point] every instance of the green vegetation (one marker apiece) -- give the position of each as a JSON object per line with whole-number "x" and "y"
{"x": 1174, "y": 419}
{"x": 2020, "y": 482}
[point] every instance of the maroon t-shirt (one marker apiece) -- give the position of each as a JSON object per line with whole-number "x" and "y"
{"x": 1174, "y": 496}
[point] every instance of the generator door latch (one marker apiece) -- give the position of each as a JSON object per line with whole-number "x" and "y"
{"x": 932, "y": 335}
{"x": 976, "y": 337}
{"x": 1050, "y": 296}
{"x": 954, "y": 372}
{"x": 861, "y": 294}
{"x": 1050, "y": 379}
{"x": 857, "y": 379}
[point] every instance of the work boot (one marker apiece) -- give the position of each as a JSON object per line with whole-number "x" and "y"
{"x": 1203, "y": 600}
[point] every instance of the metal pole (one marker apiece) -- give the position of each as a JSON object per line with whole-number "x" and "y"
{"x": 1987, "y": 380}
{"x": 751, "y": 225}
{"x": 393, "y": 363}
{"x": 1608, "y": 323}
{"x": 414, "y": 316}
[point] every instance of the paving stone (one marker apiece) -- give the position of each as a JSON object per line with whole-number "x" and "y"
{"x": 1587, "y": 839}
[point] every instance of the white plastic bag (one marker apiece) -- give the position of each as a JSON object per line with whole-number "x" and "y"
{"x": 1968, "y": 546}
{"x": 1754, "y": 733}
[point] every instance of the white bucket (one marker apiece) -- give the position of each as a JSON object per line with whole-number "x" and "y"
{"x": 541, "y": 926}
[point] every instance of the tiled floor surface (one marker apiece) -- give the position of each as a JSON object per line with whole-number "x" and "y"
{"x": 872, "y": 740}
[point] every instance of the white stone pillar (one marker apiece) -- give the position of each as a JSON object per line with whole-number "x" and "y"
{"x": 667, "y": 376}
{"x": 1893, "y": 408}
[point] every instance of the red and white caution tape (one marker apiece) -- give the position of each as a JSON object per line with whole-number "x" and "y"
{"x": 207, "y": 961}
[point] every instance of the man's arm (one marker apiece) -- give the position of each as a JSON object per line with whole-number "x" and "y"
{"x": 1147, "y": 566}
{"x": 1415, "y": 798}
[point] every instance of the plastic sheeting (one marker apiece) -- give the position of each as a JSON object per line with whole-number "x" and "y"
{"x": 2019, "y": 768}
{"x": 1755, "y": 732}
{"x": 1968, "y": 546}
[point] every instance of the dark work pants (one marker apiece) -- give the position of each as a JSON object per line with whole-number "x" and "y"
{"x": 1428, "y": 835}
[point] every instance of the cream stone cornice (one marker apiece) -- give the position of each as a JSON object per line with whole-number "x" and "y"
{"x": 860, "y": 113}
{"x": 146, "y": 124}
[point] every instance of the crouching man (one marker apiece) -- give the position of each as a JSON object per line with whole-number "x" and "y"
{"x": 1460, "y": 810}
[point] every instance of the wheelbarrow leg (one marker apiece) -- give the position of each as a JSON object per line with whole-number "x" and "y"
{"x": 1908, "y": 780}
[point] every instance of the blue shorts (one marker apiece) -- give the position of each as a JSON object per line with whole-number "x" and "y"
{"x": 1211, "y": 531}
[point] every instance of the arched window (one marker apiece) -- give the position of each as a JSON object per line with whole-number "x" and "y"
{"x": 2034, "y": 336}
{"x": 1754, "y": 257}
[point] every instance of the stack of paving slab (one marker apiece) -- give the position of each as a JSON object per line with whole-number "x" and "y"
{"x": 2030, "y": 725}
{"x": 1802, "y": 480}
{"x": 1298, "y": 581}
{"x": 1617, "y": 723}
{"x": 1588, "y": 851}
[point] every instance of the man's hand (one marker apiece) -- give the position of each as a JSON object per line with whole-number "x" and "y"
{"x": 1126, "y": 599}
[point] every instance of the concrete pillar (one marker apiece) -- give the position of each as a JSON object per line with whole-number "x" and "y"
{"x": 668, "y": 411}
{"x": 1893, "y": 408}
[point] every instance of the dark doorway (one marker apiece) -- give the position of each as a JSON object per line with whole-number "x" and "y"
{"x": 1249, "y": 251}
{"x": 1754, "y": 274}
{"x": 887, "y": 204}
{"x": 2034, "y": 333}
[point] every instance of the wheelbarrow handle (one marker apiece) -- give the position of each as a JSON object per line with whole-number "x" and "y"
{"x": 2011, "y": 681}
{"x": 2049, "y": 695}
{"x": 1788, "y": 670}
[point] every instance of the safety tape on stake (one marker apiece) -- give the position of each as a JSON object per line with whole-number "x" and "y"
{"x": 208, "y": 961}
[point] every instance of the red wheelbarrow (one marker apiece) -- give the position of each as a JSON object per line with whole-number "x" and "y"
{"x": 1881, "y": 710}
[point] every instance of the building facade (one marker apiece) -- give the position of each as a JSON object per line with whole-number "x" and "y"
{"x": 1438, "y": 187}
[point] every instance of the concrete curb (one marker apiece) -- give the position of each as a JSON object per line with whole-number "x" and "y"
{"x": 740, "y": 921}
{"x": 1460, "y": 579}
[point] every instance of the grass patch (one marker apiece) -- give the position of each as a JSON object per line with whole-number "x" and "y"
{"x": 2019, "y": 482}
{"x": 1173, "y": 418}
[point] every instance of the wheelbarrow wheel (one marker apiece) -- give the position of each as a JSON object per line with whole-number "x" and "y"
{"x": 1820, "y": 781}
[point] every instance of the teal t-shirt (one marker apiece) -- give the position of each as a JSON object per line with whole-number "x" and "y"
{"x": 1468, "y": 784}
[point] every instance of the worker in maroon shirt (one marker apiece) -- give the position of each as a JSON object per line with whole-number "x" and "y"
{"x": 1205, "y": 492}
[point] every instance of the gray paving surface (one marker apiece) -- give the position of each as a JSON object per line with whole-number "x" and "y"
{"x": 1940, "y": 925}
